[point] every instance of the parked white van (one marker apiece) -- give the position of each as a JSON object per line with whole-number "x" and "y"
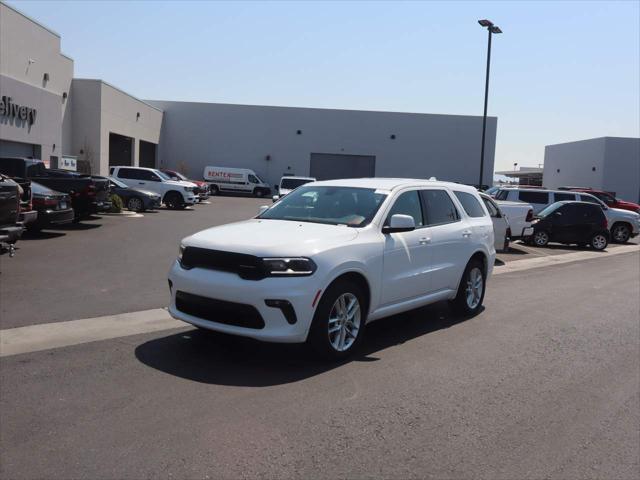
{"x": 235, "y": 180}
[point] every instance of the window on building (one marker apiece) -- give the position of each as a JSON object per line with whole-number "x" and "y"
{"x": 470, "y": 204}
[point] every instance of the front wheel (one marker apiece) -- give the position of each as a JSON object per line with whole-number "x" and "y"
{"x": 541, "y": 238}
{"x": 173, "y": 200}
{"x": 135, "y": 204}
{"x": 620, "y": 233}
{"x": 470, "y": 294}
{"x": 599, "y": 241}
{"x": 339, "y": 321}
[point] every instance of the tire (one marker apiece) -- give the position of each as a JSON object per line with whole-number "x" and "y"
{"x": 258, "y": 192}
{"x": 599, "y": 241}
{"x": 346, "y": 331}
{"x": 540, "y": 238}
{"x": 135, "y": 204}
{"x": 620, "y": 233}
{"x": 213, "y": 190}
{"x": 173, "y": 200}
{"x": 468, "y": 301}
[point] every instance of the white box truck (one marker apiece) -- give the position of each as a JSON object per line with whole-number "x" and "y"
{"x": 235, "y": 180}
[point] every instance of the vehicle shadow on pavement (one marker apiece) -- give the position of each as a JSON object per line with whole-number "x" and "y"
{"x": 219, "y": 359}
{"x": 42, "y": 235}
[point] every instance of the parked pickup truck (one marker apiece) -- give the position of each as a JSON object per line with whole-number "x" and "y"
{"x": 81, "y": 188}
{"x": 519, "y": 215}
{"x": 10, "y": 228}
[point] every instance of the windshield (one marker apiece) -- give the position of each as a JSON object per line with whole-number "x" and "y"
{"x": 549, "y": 210}
{"x": 293, "y": 183}
{"x": 118, "y": 182}
{"x": 354, "y": 207}
{"x": 163, "y": 175}
{"x": 176, "y": 176}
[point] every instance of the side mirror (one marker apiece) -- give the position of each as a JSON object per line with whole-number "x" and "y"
{"x": 400, "y": 223}
{"x": 275, "y": 198}
{"x": 263, "y": 208}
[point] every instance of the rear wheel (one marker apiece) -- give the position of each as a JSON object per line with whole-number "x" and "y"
{"x": 599, "y": 241}
{"x": 258, "y": 192}
{"x": 135, "y": 204}
{"x": 470, "y": 295}
{"x": 173, "y": 200}
{"x": 620, "y": 233}
{"x": 339, "y": 321}
{"x": 541, "y": 238}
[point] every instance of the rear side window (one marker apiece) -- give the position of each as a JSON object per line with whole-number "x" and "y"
{"x": 502, "y": 195}
{"x": 407, "y": 203}
{"x": 533, "y": 197}
{"x": 439, "y": 207}
{"x": 561, "y": 197}
{"x": 131, "y": 173}
{"x": 470, "y": 204}
{"x": 590, "y": 199}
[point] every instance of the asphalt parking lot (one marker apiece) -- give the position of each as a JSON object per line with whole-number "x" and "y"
{"x": 544, "y": 383}
{"x": 119, "y": 263}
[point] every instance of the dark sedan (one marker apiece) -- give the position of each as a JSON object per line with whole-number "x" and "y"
{"x": 134, "y": 199}
{"x": 54, "y": 208}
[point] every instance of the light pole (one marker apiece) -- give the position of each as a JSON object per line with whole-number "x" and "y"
{"x": 491, "y": 28}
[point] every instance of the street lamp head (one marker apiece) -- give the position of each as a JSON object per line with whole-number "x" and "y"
{"x": 485, "y": 23}
{"x": 495, "y": 29}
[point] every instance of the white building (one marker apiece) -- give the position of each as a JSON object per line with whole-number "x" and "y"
{"x": 46, "y": 114}
{"x": 608, "y": 163}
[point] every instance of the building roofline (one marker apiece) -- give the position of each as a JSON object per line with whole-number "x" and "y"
{"x": 30, "y": 19}
{"x": 320, "y": 108}
{"x": 120, "y": 90}
{"x": 592, "y": 139}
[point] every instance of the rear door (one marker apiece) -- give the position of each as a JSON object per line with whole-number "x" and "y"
{"x": 130, "y": 176}
{"x": 568, "y": 224}
{"x": 407, "y": 255}
{"x": 499, "y": 223}
{"x": 448, "y": 237}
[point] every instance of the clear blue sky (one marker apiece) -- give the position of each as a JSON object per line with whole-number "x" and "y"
{"x": 561, "y": 71}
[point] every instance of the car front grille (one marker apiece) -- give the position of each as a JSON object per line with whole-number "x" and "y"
{"x": 246, "y": 266}
{"x": 219, "y": 311}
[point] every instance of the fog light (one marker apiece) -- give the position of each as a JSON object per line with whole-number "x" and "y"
{"x": 285, "y": 307}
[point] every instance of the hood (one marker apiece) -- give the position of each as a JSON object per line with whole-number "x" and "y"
{"x": 272, "y": 237}
{"x": 625, "y": 204}
{"x": 180, "y": 183}
{"x": 620, "y": 212}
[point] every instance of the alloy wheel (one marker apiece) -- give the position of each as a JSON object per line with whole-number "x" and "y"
{"x": 620, "y": 233}
{"x": 541, "y": 239}
{"x": 135, "y": 204}
{"x": 344, "y": 322}
{"x": 475, "y": 285}
{"x": 599, "y": 242}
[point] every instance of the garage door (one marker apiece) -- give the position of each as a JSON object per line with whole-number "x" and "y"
{"x": 17, "y": 149}
{"x": 327, "y": 166}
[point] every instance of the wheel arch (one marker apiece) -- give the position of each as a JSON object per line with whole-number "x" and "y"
{"x": 171, "y": 192}
{"x": 359, "y": 279}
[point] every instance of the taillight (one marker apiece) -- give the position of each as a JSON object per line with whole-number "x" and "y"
{"x": 45, "y": 201}
{"x": 529, "y": 216}
{"x": 90, "y": 190}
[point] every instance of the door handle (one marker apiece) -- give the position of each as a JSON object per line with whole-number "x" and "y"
{"x": 466, "y": 233}
{"x": 424, "y": 240}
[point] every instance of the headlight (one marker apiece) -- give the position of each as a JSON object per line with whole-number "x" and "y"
{"x": 294, "y": 266}
{"x": 180, "y": 252}
{"x": 188, "y": 189}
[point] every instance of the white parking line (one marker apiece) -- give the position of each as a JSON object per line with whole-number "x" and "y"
{"x": 33, "y": 338}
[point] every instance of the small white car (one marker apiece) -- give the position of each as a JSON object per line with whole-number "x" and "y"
{"x": 174, "y": 193}
{"x": 332, "y": 256}
{"x": 289, "y": 183}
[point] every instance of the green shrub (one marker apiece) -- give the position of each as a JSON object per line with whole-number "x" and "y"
{"x": 116, "y": 204}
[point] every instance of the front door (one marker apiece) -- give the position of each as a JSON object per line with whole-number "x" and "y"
{"x": 407, "y": 256}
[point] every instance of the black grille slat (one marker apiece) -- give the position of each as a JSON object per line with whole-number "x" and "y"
{"x": 246, "y": 266}
{"x": 219, "y": 311}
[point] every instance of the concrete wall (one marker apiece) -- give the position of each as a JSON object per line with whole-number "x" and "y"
{"x": 99, "y": 109}
{"x": 616, "y": 162}
{"x": 445, "y": 146}
{"x": 28, "y": 50}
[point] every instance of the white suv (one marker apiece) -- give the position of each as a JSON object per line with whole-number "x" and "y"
{"x": 332, "y": 256}
{"x": 174, "y": 193}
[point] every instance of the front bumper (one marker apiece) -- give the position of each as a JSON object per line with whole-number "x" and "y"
{"x": 229, "y": 287}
